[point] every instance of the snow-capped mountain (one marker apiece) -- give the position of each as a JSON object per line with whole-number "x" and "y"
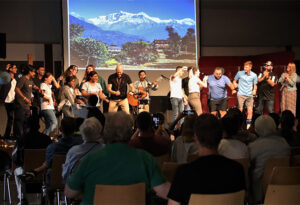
{"x": 142, "y": 24}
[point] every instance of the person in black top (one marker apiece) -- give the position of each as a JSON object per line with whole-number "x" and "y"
{"x": 185, "y": 87}
{"x": 266, "y": 92}
{"x": 210, "y": 173}
{"x": 7, "y": 96}
{"x": 117, "y": 87}
{"x": 37, "y": 80}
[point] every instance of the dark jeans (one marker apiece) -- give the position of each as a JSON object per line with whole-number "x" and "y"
{"x": 10, "y": 108}
{"x": 22, "y": 122}
{"x": 261, "y": 105}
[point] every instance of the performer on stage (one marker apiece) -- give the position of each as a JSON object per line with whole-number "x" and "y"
{"x": 185, "y": 87}
{"x": 117, "y": 87}
{"x": 176, "y": 94}
{"x": 289, "y": 89}
{"x": 266, "y": 90}
{"x": 143, "y": 85}
{"x": 247, "y": 89}
{"x": 195, "y": 85}
{"x": 218, "y": 100}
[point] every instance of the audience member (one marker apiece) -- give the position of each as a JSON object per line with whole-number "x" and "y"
{"x": 90, "y": 131}
{"x": 117, "y": 163}
{"x": 287, "y": 122}
{"x": 210, "y": 173}
{"x": 93, "y": 111}
{"x": 147, "y": 138}
{"x": 276, "y": 118}
{"x": 230, "y": 146}
{"x": 268, "y": 145}
{"x": 185, "y": 143}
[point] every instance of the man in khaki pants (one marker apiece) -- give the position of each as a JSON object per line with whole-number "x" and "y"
{"x": 117, "y": 87}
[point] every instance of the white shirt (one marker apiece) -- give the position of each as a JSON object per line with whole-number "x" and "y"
{"x": 233, "y": 149}
{"x": 11, "y": 94}
{"x": 194, "y": 81}
{"x": 175, "y": 87}
{"x": 89, "y": 88}
{"x": 47, "y": 105}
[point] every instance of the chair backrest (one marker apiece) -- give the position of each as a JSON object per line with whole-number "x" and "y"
{"x": 169, "y": 169}
{"x": 33, "y": 158}
{"x": 295, "y": 160}
{"x": 270, "y": 164}
{"x": 245, "y": 163}
{"x": 56, "y": 173}
{"x": 192, "y": 157}
{"x": 295, "y": 150}
{"x": 161, "y": 159}
{"x": 285, "y": 176}
{"x": 282, "y": 194}
{"x": 236, "y": 198}
{"x": 134, "y": 194}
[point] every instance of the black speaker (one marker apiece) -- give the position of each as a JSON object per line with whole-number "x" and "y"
{"x": 2, "y": 45}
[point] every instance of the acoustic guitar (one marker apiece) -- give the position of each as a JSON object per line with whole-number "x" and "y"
{"x": 133, "y": 100}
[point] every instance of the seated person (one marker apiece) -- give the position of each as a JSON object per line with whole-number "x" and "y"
{"x": 269, "y": 144}
{"x": 94, "y": 111}
{"x": 185, "y": 143}
{"x": 90, "y": 131}
{"x": 231, "y": 146}
{"x": 65, "y": 142}
{"x": 147, "y": 138}
{"x": 210, "y": 173}
{"x": 116, "y": 164}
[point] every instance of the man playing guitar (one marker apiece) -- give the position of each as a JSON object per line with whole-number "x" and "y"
{"x": 143, "y": 87}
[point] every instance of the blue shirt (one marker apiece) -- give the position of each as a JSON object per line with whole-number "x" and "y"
{"x": 246, "y": 82}
{"x": 217, "y": 87}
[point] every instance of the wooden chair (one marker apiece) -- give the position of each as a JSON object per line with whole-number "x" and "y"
{"x": 295, "y": 160}
{"x": 246, "y": 164}
{"x": 236, "y": 198}
{"x": 192, "y": 157}
{"x": 34, "y": 158}
{"x": 270, "y": 164}
{"x": 285, "y": 176}
{"x": 169, "y": 169}
{"x": 282, "y": 194}
{"x": 161, "y": 159}
{"x": 134, "y": 194}
{"x": 56, "y": 176}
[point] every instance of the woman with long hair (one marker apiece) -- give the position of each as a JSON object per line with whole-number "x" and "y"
{"x": 289, "y": 89}
{"x": 47, "y": 102}
{"x": 92, "y": 87}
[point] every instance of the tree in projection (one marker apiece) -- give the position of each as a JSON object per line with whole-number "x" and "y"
{"x": 75, "y": 31}
{"x": 91, "y": 50}
{"x": 188, "y": 41}
{"x": 139, "y": 52}
{"x": 174, "y": 42}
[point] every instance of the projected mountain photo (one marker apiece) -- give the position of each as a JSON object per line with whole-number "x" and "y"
{"x": 134, "y": 39}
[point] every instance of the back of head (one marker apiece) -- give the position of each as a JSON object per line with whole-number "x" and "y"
{"x": 68, "y": 126}
{"x": 187, "y": 130}
{"x": 236, "y": 114}
{"x": 118, "y": 127}
{"x": 144, "y": 121}
{"x": 90, "y": 129}
{"x": 208, "y": 130}
{"x": 265, "y": 126}
{"x": 78, "y": 123}
{"x": 287, "y": 119}
{"x": 275, "y": 117}
{"x": 93, "y": 100}
{"x": 231, "y": 125}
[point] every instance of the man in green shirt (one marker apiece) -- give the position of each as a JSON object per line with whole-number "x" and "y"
{"x": 116, "y": 164}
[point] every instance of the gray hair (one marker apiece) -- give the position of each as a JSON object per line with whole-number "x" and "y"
{"x": 265, "y": 126}
{"x": 118, "y": 127}
{"x": 91, "y": 129}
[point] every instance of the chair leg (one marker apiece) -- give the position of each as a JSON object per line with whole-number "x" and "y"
{"x": 4, "y": 187}
{"x": 57, "y": 196}
{"x": 66, "y": 201}
{"x": 8, "y": 189}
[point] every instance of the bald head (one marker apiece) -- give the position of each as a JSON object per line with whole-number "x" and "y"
{"x": 119, "y": 70}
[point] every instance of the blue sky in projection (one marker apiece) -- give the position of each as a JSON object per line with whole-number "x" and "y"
{"x": 120, "y": 21}
{"x": 163, "y": 9}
